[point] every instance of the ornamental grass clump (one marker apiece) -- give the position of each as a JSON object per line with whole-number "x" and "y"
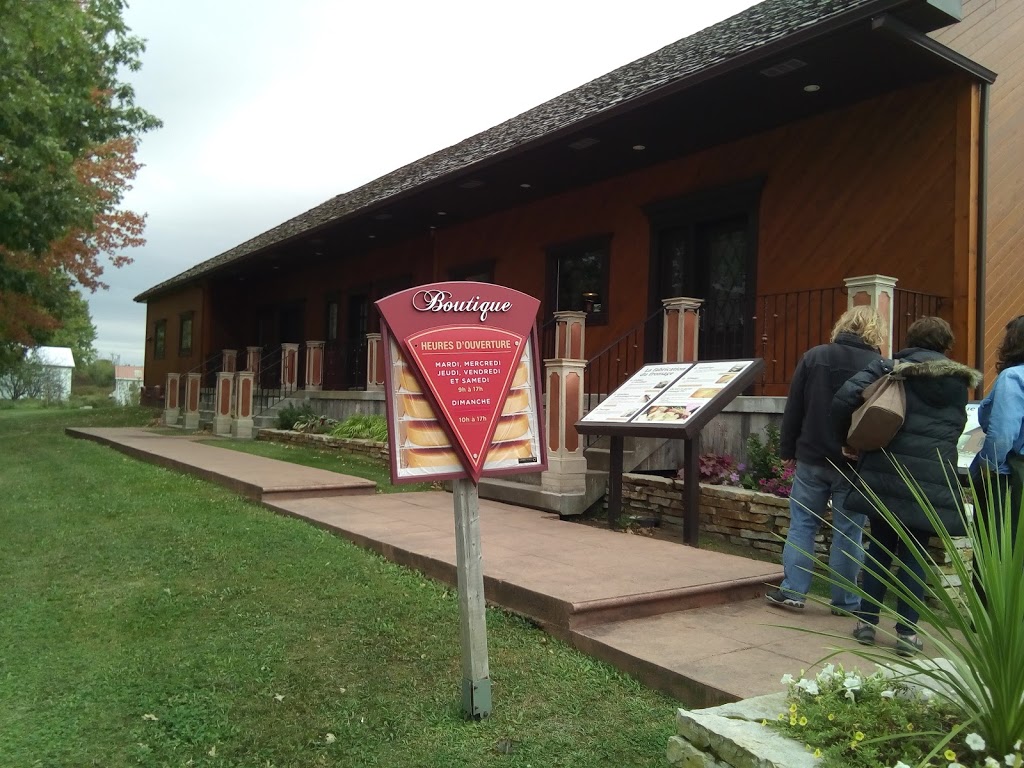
{"x": 363, "y": 427}
{"x": 975, "y": 635}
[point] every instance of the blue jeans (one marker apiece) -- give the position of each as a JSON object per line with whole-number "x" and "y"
{"x": 813, "y": 485}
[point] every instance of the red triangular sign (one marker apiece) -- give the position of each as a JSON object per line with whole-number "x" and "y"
{"x": 468, "y": 370}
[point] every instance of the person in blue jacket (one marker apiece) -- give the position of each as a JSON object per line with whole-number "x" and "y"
{"x": 1001, "y": 415}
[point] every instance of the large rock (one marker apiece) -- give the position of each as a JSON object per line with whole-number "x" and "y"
{"x": 732, "y": 736}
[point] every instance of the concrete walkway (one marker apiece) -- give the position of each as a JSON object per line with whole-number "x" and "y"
{"x": 686, "y": 621}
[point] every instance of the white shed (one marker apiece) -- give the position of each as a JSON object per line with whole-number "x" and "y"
{"x": 127, "y": 384}
{"x": 58, "y": 364}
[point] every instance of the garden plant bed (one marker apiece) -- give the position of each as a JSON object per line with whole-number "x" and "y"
{"x": 371, "y": 448}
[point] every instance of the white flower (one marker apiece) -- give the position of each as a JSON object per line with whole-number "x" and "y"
{"x": 809, "y": 686}
{"x": 1010, "y": 760}
{"x": 1016, "y": 747}
{"x": 888, "y": 694}
{"x": 826, "y": 672}
{"x": 900, "y": 764}
{"x": 330, "y": 738}
{"x": 954, "y": 765}
{"x": 787, "y": 679}
{"x": 852, "y": 682}
{"x": 850, "y": 696}
{"x": 975, "y": 742}
{"x": 991, "y": 762}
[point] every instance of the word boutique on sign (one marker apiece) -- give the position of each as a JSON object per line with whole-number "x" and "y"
{"x": 462, "y": 378}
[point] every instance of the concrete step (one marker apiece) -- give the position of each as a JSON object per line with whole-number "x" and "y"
{"x": 536, "y": 497}
{"x": 599, "y": 459}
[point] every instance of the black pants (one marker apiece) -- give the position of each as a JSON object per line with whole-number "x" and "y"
{"x": 885, "y": 540}
{"x": 1003, "y": 486}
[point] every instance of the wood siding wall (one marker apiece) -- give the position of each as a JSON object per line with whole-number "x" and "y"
{"x": 868, "y": 189}
{"x": 170, "y": 308}
{"x": 991, "y": 33}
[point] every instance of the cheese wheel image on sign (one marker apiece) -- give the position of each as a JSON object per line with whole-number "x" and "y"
{"x": 511, "y": 427}
{"x": 517, "y": 400}
{"x": 512, "y": 449}
{"x": 416, "y": 458}
{"x": 426, "y": 433}
{"x": 522, "y": 375}
{"x": 406, "y": 379}
{"x": 416, "y": 407}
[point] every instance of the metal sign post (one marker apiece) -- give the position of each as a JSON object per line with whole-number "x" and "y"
{"x": 476, "y": 680}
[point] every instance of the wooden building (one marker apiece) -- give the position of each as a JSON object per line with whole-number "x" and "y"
{"x": 754, "y": 165}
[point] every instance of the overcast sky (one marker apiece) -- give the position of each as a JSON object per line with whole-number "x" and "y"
{"x": 271, "y": 107}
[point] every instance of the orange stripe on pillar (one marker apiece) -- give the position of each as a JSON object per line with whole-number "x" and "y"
{"x": 554, "y": 412}
{"x": 572, "y": 411}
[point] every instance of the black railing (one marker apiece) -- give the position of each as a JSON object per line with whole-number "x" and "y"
{"x": 788, "y": 324}
{"x": 610, "y": 367}
{"x": 908, "y": 306}
{"x": 207, "y": 370}
{"x": 268, "y": 381}
{"x": 547, "y": 339}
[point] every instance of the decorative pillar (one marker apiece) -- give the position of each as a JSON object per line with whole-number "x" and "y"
{"x": 289, "y": 368}
{"x": 875, "y": 291}
{"x": 563, "y": 401}
{"x": 570, "y": 333}
{"x": 681, "y": 330}
{"x": 374, "y": 363}
{"x": 171, "y": 408}
{"x": 241, "y": 424}
{"x": 252, "y": 359}
{"x": 314, "y": 365}
{"x": 229, "y": 360}
{"x": 192, "y": 384}
{"x": 222, "y": 403}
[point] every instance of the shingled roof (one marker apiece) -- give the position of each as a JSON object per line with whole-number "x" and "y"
{"x": 757, "y": 26}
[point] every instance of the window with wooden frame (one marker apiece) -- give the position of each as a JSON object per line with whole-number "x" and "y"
{"x": 478, "y": 272}
{"x": 577, "y": 277}
{"x": 159, "y": 339}
{"x": 185, "y": 334}
{"x": 331, "y": 317}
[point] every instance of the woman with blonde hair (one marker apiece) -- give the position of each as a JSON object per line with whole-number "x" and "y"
{"x": 807, "y": 439}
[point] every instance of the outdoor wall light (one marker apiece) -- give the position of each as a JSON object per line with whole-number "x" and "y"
{"x": 639, "y": 147}
{"x": 812, "y": 88}
{"x": 525, "y": 186}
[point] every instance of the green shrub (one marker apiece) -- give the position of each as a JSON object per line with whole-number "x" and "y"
{"x": 288, "y": 416}
{"x": 370, "y": 427}
{"x": 315, "y": 425}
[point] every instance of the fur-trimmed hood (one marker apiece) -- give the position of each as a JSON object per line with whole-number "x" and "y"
{"x": 936, "y": 368}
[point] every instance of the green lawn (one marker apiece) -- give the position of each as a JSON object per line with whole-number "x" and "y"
{"x": 334, "y": 460}
{"x": 150, "y": 619}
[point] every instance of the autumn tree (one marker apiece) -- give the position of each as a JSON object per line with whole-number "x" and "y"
{"x": 68, "y": 132}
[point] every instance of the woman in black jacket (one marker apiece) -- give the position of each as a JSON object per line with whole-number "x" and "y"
{"x": 937, "y": 390}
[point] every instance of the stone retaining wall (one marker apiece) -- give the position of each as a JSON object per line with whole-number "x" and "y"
{"x": 369, "y": 448}
{"x": 745, "y": 518}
